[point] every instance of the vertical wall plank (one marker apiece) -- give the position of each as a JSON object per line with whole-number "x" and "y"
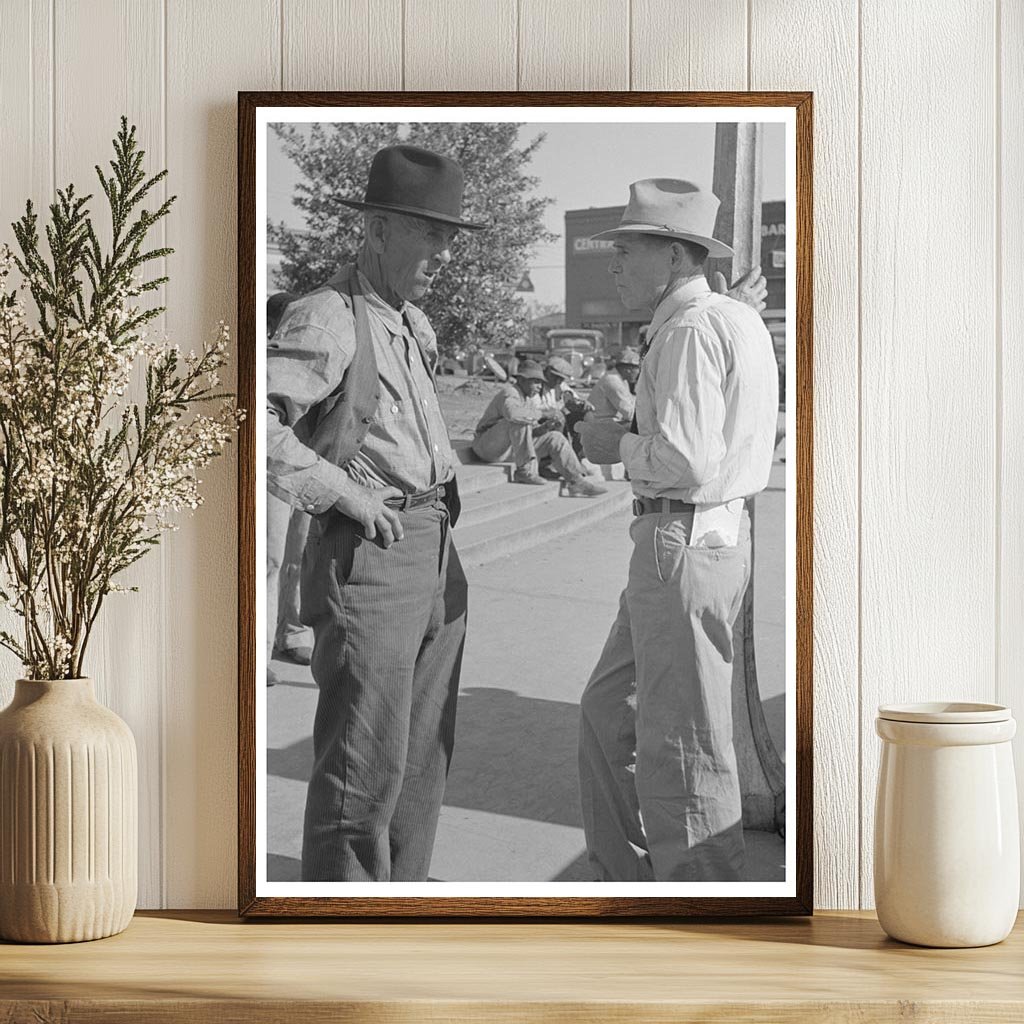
{"x": 460, "y": 44}
{"x": 26, "y": 103}
{"x": 26, "y": 171}
{"x": 213, "y": 50}
{"x": 342, "y": 44}
{"x": 928, "y": 517}
{"x": 829, "y": 68}
{"x": 1010, "y": 215}
{"x": 574, "y": 44}
{"x": 699, "y": 44}
{"x": 124, "y": 656}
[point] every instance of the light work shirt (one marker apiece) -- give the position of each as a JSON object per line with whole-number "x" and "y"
{"x": 553, "y": 399}
{"x": 612, "y": 399}
{"x": 706, "y": 402}
{"x": 406, "y": 445}
{"x": 508, "y": 404}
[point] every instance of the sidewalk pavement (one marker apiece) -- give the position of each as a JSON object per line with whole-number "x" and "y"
{"x": 537, "y": 622}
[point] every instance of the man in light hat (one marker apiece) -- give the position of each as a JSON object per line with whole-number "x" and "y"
{"x": 562, "y": 405}
{"x": 513, "y": 427}
{"x": 355, "y": 437}
{"x": 658, "y": 775}
{"x": 613, "y": 396}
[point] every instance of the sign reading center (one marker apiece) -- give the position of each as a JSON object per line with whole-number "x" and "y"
{"x": 601, "y": 246}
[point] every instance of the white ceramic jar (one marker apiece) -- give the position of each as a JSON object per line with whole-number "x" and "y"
{"x": 947, "y": 848}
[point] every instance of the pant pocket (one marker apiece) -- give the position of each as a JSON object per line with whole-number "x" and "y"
{"x": 670, "y": 540}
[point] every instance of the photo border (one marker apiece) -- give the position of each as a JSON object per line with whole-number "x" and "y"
{"x": 249, "y": 904}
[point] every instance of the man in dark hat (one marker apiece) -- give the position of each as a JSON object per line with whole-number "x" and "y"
{"x": 513, "y": 427}
{"x": 355, "y": 437}
{"x": 658, "y": 773}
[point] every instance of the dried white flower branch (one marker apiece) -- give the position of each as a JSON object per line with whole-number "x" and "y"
{"x": 89, "y": 478}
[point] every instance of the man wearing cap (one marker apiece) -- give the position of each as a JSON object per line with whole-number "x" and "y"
{"x": 613, "y": 396}
{"x": 658, "y": 775}
{"x": 355, "y": 438}
{"x": 563, "y": 406}
{"x": 514, "y": 427}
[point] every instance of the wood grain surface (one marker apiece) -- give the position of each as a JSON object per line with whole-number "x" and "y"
{"x": 469, "y": 44}
{"x": 928, "y": 375}
{"x": 228, "y": 45}
{"x": 832, "y": 74}
{"x": 918, "y": 147}
{"x": 701, "y": 44}
{"x": 574, "y": 44}
{"x": 1009, "y": 277}
{"x": 208, "y": 966}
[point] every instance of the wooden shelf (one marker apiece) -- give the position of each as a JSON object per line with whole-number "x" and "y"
{"x": 210, "y": 967}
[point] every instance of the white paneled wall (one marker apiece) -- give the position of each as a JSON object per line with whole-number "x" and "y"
{"x": 919, "y": 307}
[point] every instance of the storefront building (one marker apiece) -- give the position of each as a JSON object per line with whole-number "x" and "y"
{"x": 590, "y": 296}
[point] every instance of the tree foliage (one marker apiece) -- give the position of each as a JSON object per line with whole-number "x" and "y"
{"x": 473, "y": 301}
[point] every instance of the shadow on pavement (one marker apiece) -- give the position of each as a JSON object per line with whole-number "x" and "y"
{"x": 516, "y": 756}
{"x": 294, "y": 762}
{"x": 283, "y": 869}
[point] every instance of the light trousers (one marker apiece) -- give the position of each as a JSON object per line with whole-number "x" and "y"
{"x": 389, "y": 627}
{"x": 506, "y": 440}
{"x": 287, "y": 528}
{"x": 658, "y": 775}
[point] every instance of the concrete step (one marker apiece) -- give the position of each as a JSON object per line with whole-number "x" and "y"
{"x": 479, "y": 476}
{"x": 505, "y": 499}
{"x": 520, "y": 527}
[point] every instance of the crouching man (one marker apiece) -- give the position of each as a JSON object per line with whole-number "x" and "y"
{"x": 514, "y": 427}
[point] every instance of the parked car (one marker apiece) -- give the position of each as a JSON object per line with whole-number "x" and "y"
{"x": 578, "y": 346}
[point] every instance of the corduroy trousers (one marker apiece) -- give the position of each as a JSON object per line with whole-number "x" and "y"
{"x": 389, "y": 627}
{"x": 658, "y": 774}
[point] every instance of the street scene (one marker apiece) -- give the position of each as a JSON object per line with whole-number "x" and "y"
{"x": 534, "y": 343}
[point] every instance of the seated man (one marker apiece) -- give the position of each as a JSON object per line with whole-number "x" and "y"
{"x": 563, "y": 407}
{"x": 612, "y": 397}
{"x": 515, "y": 427}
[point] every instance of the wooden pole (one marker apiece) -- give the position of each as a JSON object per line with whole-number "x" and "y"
{"x": 737, "y": 184}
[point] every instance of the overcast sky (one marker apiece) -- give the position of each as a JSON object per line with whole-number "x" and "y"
{"x": 582, "y": 165}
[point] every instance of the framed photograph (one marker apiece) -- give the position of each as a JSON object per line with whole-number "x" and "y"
{"x": 525, "y": 504}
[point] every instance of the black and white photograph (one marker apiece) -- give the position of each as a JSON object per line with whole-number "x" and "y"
{"x": 525, "y": 502}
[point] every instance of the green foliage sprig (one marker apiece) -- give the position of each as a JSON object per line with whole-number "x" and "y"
{"x": 89, "y": 478}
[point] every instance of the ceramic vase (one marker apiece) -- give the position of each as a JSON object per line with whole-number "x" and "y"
{"x": 947, "y": 848}
{"x": 68, "y": 815}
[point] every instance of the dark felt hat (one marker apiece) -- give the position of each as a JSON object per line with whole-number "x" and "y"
{"x": 407, "y": 179}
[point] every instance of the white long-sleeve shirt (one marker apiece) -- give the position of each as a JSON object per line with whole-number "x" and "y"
{"x": 706, "y": 402}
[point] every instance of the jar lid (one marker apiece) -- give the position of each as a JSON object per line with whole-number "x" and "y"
{"x": 945, "y": 713}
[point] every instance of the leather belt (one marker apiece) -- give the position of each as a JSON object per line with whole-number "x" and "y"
{"x": 649, "y": 506}
{"x": 422, "y": 499}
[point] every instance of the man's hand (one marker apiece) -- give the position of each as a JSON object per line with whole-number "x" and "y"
{"x": 549, "y": 421}
{"x": 367, "y": 508}
{"x": 601, "y": 440}
{"x": 751, "y": 288}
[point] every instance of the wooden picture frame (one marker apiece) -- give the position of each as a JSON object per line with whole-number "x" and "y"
{"x": 793, "y": 895}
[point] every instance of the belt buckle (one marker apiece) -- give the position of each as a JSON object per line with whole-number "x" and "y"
{"x": 638, "y": 506}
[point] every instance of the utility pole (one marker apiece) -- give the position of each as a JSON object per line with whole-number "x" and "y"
{"x": 737, "y": 184}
